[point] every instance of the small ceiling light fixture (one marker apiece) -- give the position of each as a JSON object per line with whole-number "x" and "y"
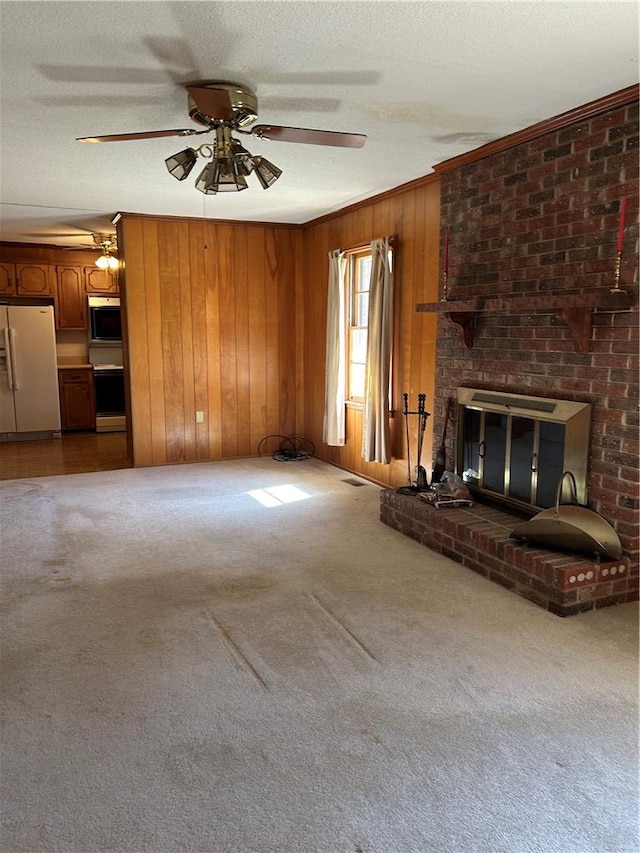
{"x": 265, "y": 171}
{"x": 225, "y": 172}
{"x": 106, "y": 261}
{"x": 230, "y": 164}
{"x": 180, "y": 164}
{"x": 220, "y": 176}
{"x": 241, "y": 158}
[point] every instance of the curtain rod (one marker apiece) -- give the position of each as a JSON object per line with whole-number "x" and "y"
{"x": 392, "y": 238}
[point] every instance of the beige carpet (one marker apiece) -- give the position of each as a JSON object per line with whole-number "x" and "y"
{"x": 186, "y": 669}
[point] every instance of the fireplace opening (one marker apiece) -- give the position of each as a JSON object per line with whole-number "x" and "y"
{"x": 512, "y": 449}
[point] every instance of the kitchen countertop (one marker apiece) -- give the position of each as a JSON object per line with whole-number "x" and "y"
{"x": 69, "y": 362}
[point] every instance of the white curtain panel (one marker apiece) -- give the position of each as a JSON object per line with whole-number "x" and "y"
{"x": 376, "y": 439}
{"x": 333, "y": 431}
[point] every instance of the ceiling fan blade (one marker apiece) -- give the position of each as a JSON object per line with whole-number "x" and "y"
{"x": 148, "y": 134}
{"x": 212, "y": 102}
{"x": 312, "y": 137}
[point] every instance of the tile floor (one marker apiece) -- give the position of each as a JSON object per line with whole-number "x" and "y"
{"x": 74, "y": 453}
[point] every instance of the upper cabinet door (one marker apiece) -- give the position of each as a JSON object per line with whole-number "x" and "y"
{"x": 70, "y": 298}
{"x": 33, "y": 279}
{"x": 100, "y": 281}
{"x": 7, "y": 279}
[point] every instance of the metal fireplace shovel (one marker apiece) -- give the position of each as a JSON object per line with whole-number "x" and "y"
{"x": 571, "y": 527}
{"x": 440, "y": 465}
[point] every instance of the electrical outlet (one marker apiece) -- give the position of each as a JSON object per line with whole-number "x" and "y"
{"x": 199, "y": 417}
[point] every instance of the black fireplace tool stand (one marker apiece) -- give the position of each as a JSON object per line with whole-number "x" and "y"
{"x": 420, "y": 484}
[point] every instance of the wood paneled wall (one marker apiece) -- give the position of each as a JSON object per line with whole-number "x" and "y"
{"x": 230, "y": 319}
{"x": 210, "y": 325}
{"x": 413, "y": 215}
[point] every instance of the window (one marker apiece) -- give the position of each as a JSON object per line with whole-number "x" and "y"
{"x": 359, "y": 345}
{"x": 358, "y": 277}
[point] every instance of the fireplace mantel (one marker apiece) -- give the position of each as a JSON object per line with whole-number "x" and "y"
{"x": 575, "y": 309}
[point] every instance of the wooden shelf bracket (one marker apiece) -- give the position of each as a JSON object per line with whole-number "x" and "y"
{"x": 465, "y": 321}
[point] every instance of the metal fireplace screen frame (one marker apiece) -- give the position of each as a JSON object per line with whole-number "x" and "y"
{"x": 514, "y": 448}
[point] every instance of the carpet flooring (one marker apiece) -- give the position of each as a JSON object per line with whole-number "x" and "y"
{"x": 238, "y": 657}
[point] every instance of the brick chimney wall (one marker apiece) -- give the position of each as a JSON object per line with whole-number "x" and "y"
{"x": 542, "y": 218}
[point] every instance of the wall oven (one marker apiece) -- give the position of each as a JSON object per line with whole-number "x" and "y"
{"x": 108, "y": 382}
{"x": 105, "y": 326}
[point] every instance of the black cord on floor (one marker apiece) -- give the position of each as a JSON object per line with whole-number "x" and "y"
{"x": 292, "y": 448}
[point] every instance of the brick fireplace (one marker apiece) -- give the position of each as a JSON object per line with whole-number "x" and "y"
{"x": 529, "y": 310}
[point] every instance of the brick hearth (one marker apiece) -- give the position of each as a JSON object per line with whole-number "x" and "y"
{"x": 479, "y": 538}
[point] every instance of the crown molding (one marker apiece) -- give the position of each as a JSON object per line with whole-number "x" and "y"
{"x": 559, "y": 122}
{"x": 374, "y": 199}
{"x": 122, "y": 215}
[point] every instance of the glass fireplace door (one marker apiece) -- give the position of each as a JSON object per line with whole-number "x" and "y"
{"x": 514, "y": 448}
{"x": 512, "y": 456}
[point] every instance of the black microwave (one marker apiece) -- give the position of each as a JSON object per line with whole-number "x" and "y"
{"x": 105, "y": 324}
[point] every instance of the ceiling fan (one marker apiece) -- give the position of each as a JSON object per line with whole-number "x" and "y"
{"x": 107, "y": 260}
{"x": 224, "y": 108}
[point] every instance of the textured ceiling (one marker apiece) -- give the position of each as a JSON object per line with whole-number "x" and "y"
{"x": 425, "y": 81}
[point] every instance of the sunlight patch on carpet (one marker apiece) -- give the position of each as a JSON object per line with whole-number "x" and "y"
{"x": 277, "y": 495}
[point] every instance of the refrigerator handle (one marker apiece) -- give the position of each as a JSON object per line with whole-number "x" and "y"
{"x": 8, "y": 354}
{"x": 12, "y": 359}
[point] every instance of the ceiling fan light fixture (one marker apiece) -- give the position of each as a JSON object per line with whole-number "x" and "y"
{"x": 220, "y": 176}
{"x": 265, "y": 171}
{"x": 179, "y": 165}
{"x": 223, "y": 106}
{"x": 107, "y": 262}
{"x": 241, "y": 158}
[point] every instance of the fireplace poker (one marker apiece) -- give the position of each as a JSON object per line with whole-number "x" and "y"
{"x": 405, "y": 412}
{"x": 421, "y": 481}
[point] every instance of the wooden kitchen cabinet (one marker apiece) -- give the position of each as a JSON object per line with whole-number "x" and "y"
{"x": 25, "y": 279}
{"x": 77, "y": 406}
{"x": 100, "y": 281}
{"x": 7, "y": 279}
{"x": 34, "y": 280}
{"x": 34, "y": 271}
{"x": 70, "y": 298}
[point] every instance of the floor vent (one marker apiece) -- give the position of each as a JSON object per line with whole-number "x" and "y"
{"x": 353, "y": 482}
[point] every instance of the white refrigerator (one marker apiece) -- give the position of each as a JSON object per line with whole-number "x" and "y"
{"x": 29, "y": 397}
